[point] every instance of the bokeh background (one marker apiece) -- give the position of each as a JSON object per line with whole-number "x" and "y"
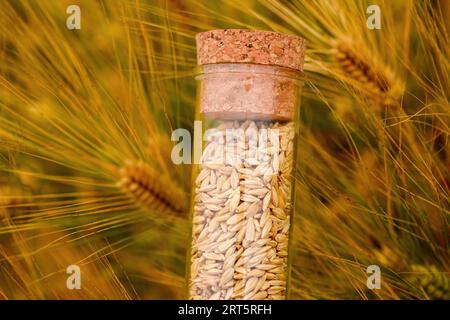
{"x": 79, "y": 106}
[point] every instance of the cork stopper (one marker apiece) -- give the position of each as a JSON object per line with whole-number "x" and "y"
{"x": 249, "y": 74}
{"x": 247, "y": 46}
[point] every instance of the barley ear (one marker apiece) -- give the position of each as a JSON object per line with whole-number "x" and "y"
{"x": 433, "y": 283}
{"x": 151, "y": 188}
{"x": 366, "y": 73}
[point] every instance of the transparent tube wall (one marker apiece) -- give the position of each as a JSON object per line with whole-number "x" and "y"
{"x": 243, "y": 188}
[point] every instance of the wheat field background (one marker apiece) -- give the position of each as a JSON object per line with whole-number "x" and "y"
{"x": 84, "y": 112}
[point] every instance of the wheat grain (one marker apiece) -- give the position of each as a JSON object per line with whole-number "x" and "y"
{"x": 241, "y": 218}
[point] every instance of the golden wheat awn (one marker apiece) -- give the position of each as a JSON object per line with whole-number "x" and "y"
{"x": 21, "y": 279}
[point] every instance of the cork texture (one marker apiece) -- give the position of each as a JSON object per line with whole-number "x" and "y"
{"x": 247, "y": 46}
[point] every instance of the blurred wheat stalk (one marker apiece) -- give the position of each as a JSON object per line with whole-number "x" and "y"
{"x": 85, "y": 122}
